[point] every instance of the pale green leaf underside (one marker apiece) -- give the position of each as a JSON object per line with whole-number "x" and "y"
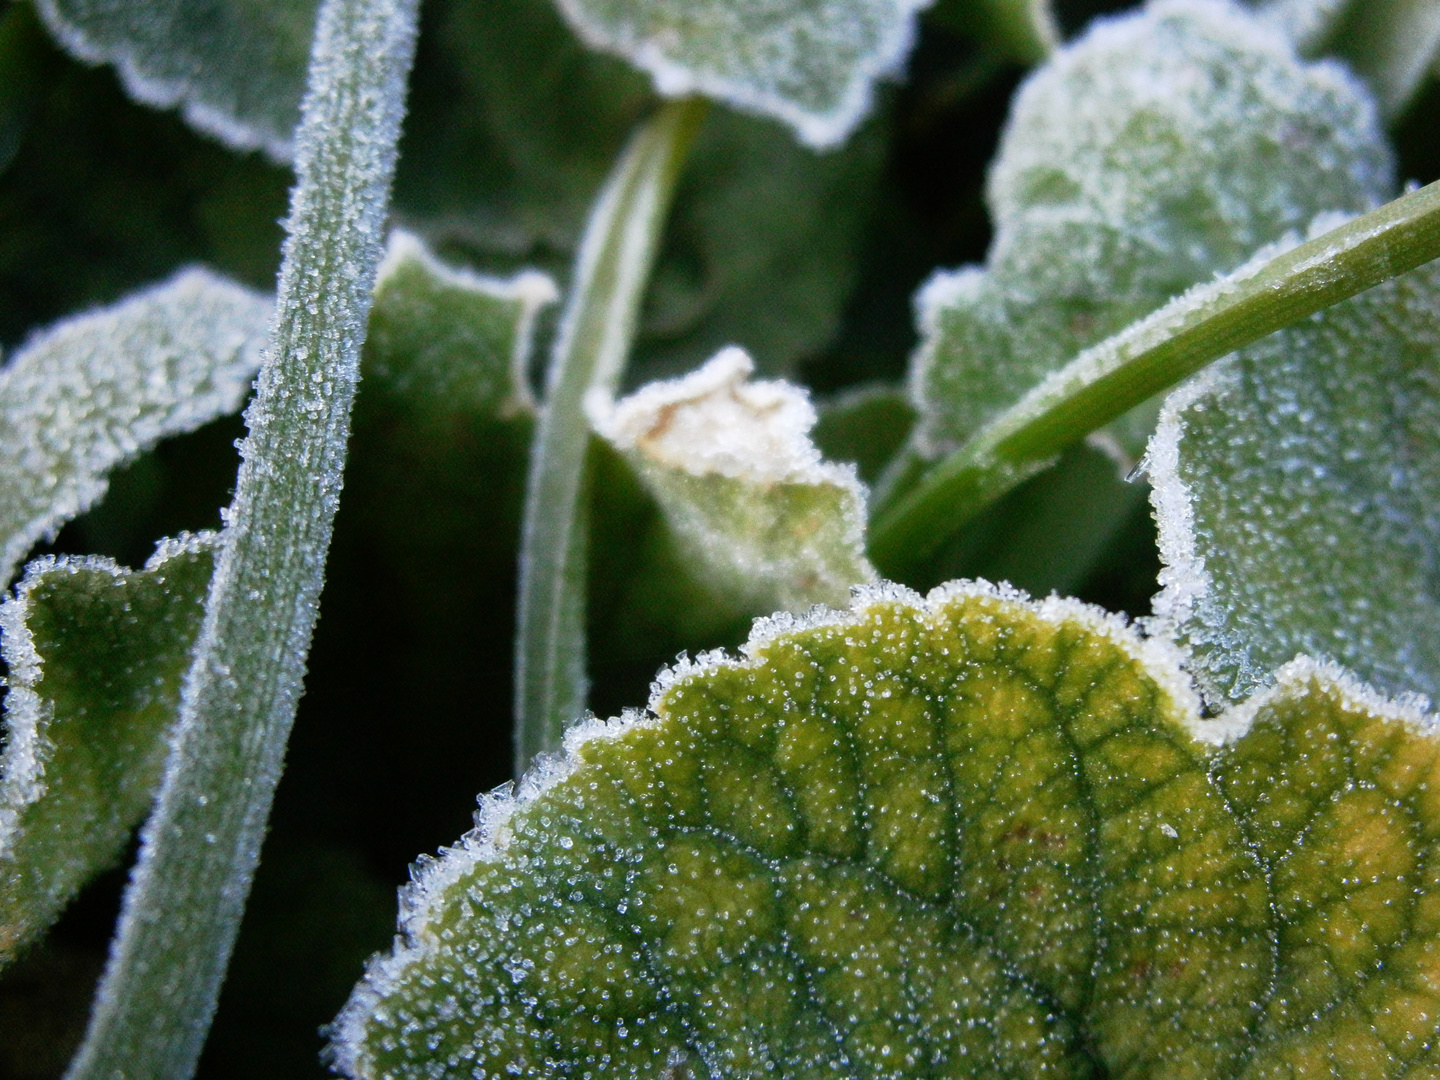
{"x": 1297, "y": 487}
{"x": 96, "y": 654}
{"x": 759, "y": 516}
{"x": 93, "y": 391}
{"x": 235, "y": 68}
{"x": 1160, "y": 149}
{"x": 971, "y": 835}
{"x": 444, "y": 341}
{"x": 810, "y": 63}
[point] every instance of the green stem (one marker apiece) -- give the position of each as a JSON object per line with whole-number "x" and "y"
{"x": 200, "y": 847}
{"x": 611, "y": 274}
{"x": 1106, "y": 381}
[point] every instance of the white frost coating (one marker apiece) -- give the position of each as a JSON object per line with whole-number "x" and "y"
{"x": 235, "y": 69}
{"x": 27, "y": 714}
{"x": 1297, "y": 491}
{"x": 810, "y": 63}
{"x": 1295, "y": 680}
{"x": 1183, "y": 579}
{"x": 531, "y": 289}
{"x": 1162, "y": 148}
{"x": 93, "y": 391}
{"x": 743, "y": 489}
{"x": 1306, "y": 22}
{"x": 715, "y": 420}
{"x": 431, "y": 877}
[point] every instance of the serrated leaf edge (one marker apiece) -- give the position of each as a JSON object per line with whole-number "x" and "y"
{"x": 432, "y": 876}
{"x": 27, "y": 713}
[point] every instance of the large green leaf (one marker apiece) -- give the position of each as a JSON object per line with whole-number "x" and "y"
{"x": 96, "y": 654}
{"x": 93, "y": 391}
{"x": 754, "y": 510}
{"x": 970, "y": 835}
{"x": 1297, "y": 487}
{"x": 236, "y": 68}
{"x": 811, "y": 63}
{"x": 1160, "y": 149}
{"x": 507, "y": 147}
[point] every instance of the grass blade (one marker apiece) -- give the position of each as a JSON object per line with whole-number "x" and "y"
{"x": 598, "y": 327}
{"x": 1109, "y": 379}
{"x": 200, "y": 848}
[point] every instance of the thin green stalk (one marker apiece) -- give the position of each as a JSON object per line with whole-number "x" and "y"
{"x": 611, "y": 274}
{"x": 202, "y": 842}
{"x": 1106, "y": 381}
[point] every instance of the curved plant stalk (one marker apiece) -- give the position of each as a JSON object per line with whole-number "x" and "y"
{"x": 611, "y": 273}
{"x": 1106, "y": 381}
{"x": 200, "y": 847}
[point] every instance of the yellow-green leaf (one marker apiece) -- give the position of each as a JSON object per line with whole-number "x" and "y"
{"x": 969, "y": 835}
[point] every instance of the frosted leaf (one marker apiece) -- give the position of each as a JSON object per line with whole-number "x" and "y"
{"x": 1297, "y": 488}
{"x": 96, "y": 654}
{"x": 764, "y": 237}
{"x": 235, "y": 68}
{"x": 1392, "y": 44}
{"x": 94, "y": 390}
{"x": 810, "y": 63}
{"x": 447, "y": 340}
{"x": 970, "y": 835}
{"x": 766, "y": 522}
{"x": 1161, "y": 149}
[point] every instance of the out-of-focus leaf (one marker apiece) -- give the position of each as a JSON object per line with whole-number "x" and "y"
{"x": 970, "y": 835}
{"x": 1297, "y": 487}
{"x": 868, "y": 425}
{"x": 810, "y": 63}
{"x": 506, "y": 148}
{"x": 763, "y": 520}
{"x": 235, "y": 68}
{"x": 1160, "y": 149}
{"x": 96, "y": 655}
{"x": 1392, "y": 44}
{"x": 92, "y": 391}
{"x": 1023, "y": 30}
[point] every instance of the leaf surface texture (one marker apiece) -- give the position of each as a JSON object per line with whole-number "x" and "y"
{"x": 971, "y": 835}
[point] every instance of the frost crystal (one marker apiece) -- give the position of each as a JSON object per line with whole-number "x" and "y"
{"x": 1297, "y": 489}
{"x": 1159, "y": 150}
{"x": 767, "y": 523}
{"x": 95, "y": 654}
{"x": 91, "y": 392}
{"x": 965, "y": 836}
{"x": 810, "y": 63}
{"x": 236, "y": 68}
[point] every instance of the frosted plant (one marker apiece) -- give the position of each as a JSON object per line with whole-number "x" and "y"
{"x": 1297, "y": 488}
{"x": 93, "y": 391}
{"x": 448, "y": 339}
{"x": 1160, "y": 149}
{"x": 236, "y": 68}
{"x": 96, "y": 653}
{"x": 760, "y": 517}
{"x": 811, "y": 63}
{"x": 969, "y": 835}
